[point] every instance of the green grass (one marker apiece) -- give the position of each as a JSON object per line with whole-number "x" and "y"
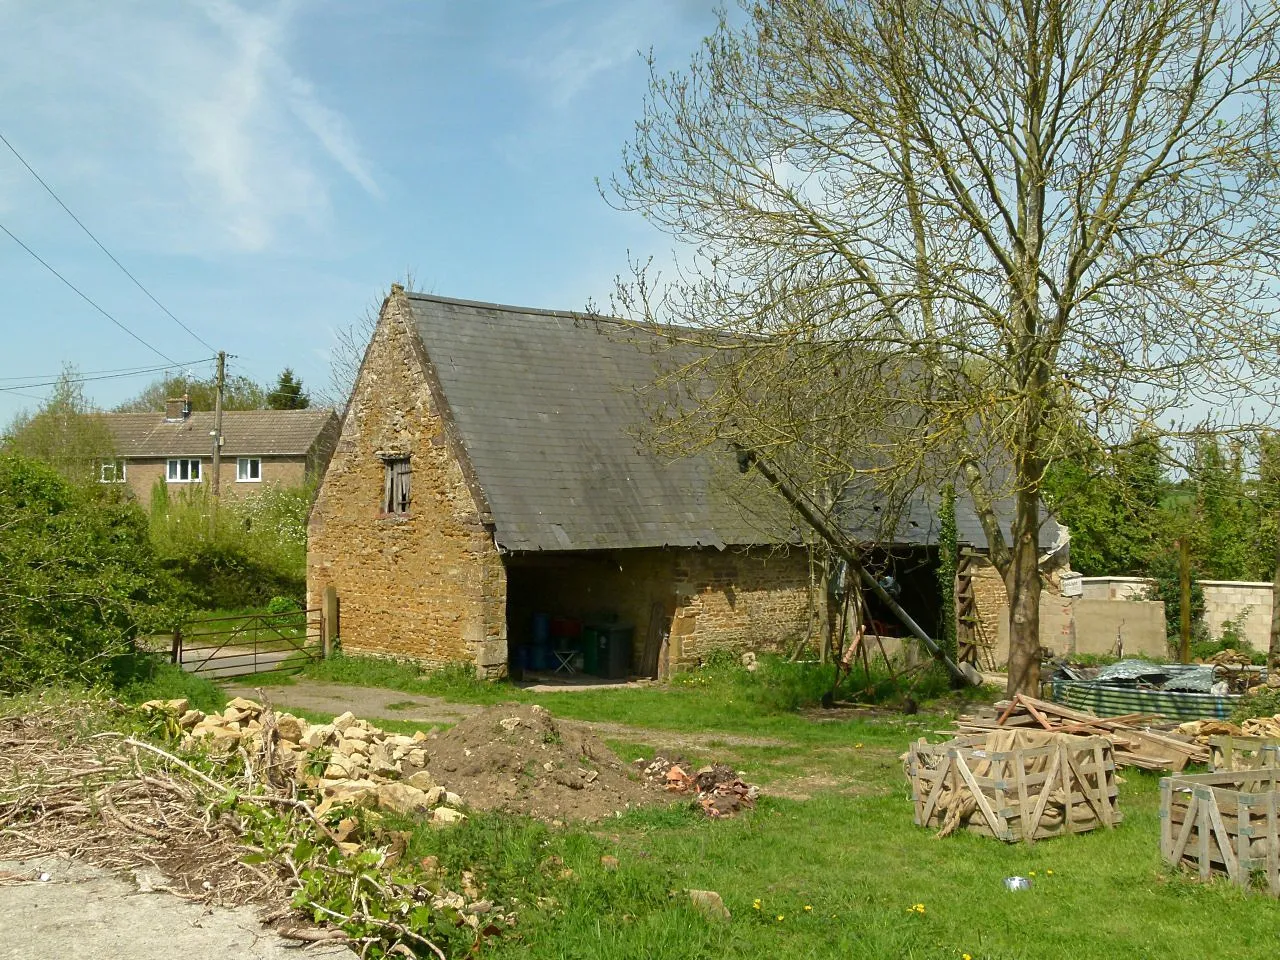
{"x": 858, "y": 862}
{"x": 849, "y": 851}
{"x": 145, "y": 677}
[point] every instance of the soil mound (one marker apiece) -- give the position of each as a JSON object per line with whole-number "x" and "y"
{"x": 515, "y": 757}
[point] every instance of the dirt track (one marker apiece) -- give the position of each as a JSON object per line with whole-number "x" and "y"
{"x": 374, "y": 703}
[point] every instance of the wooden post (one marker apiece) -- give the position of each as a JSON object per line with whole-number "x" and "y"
{"x": 1184, "y": 576}
{"x": 175, "y": 654}
{"x": 330, "y": 629}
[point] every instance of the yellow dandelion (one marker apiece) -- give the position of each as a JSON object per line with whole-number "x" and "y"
{"x": 1031, "y": 873}
{"x": 781, "y": 918}
{"x": 1048, "y": 873}
{"x": 808, "y": 909}
{"x": 857, "y": 746}
{"x": 965, "y": 956}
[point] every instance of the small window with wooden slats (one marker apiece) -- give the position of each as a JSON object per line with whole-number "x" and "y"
{"x": 395, "y": 487}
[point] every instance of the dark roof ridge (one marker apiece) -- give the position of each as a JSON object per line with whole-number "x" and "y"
{"x": 654, "y": 327}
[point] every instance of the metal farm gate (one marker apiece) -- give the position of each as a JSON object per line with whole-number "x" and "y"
{"x": 250, "y": 643}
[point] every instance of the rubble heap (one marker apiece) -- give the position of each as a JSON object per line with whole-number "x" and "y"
{"x": 1202, "y": 730}
{"x": 719, "y": 790}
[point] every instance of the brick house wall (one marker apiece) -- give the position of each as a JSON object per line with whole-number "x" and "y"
{"x": 428, "y": 584}
{"x": 141, "y": 476}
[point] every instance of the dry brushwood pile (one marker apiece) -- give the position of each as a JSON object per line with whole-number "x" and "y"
{"x": 105, "y": 798}
{"x": 718, "y": 790}
{"x": 518, "y": 758}
{"x": 232, "y": 827}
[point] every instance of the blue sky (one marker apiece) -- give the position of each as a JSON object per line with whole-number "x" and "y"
{"x": 267, "y": 169}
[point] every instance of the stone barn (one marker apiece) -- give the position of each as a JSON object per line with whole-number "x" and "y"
{"x": 490, "y": 478}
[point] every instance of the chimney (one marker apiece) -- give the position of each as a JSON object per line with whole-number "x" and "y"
{"x": 177, "y": 409}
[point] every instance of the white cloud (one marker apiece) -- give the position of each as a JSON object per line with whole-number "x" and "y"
{"x": 189, "y": 114}
{"x": 569, "y": 57}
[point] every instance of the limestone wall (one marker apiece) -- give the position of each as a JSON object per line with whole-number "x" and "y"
{"x": 428, "y": 584}
{"x": 741, "y": 600}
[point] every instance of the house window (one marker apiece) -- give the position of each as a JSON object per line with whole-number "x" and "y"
{"x": 111, "y": 471}
{"x": 248, "y": 469}
{"x": 183, "y": 471}
{"x": 395, "y": 487}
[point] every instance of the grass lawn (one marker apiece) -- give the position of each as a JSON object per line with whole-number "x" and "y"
{"x": 834, "y": 835}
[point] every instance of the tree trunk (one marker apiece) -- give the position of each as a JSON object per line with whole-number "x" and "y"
{"x": 1022, "y": 583}
{"x": 1273, "y": 650}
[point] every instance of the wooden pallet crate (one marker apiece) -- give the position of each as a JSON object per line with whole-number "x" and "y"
{"x": 1224, "y": 824}
{"x": 1242, "y": 753}
{"x": 1014, "y": 784}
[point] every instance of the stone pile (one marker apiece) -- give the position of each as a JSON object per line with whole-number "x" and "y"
{"x": 1202, "y": 730}
{"x": 346, "y": 761}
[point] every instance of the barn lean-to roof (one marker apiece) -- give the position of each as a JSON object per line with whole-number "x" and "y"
{"x": 550, "y": 409}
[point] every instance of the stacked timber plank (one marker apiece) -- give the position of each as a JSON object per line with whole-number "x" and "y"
{"x": 1224, "y": 823}
{"x": 1138, "y": 740}
{"x": 1014, "y": 784}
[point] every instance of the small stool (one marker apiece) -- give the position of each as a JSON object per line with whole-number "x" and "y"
{"x": 566, "y": 661}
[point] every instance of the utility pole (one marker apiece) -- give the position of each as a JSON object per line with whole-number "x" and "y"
{"x": 220, "y": 383}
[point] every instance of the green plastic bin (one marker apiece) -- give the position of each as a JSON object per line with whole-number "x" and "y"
{"x": 590, "y": 651}
{"x": 612, "y": 646}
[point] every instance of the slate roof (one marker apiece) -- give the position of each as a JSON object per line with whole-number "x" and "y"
{"x": 548, "y": 406}
{"x": 262, "y": 433}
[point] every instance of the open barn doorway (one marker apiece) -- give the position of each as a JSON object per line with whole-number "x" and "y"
{"x": 589, "y": 614}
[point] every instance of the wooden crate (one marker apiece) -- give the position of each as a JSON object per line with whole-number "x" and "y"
{"x": 1224, "y": 823}
{"x": 1014, "y": 784}
{"x": 1242, "y": 753}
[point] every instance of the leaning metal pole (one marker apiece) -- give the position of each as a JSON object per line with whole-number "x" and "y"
{"x": 748, "y": 459}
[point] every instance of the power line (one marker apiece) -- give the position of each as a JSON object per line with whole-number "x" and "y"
{"x": 89, "y": 234}
{"x": 94, "y": 373}
{"x": 109, "y": 376}
{"x": 85, "y": 297}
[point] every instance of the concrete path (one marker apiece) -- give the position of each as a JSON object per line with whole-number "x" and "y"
{"x": 376, "y": 703}
{"x": 86, "y": 913}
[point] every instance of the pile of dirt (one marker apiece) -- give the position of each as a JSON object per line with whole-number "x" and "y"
{"x": 517, "y": 758}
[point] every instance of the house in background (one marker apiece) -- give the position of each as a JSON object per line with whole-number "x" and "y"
{"x": 490, "y": 473}
{"x": 280, "y": 447}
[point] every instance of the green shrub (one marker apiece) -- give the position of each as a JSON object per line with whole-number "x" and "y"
{"x": 240, "y": 553}
{"x": 283, "y": 605}
{"x": 79, "y": 581}
{"x": 1264, "y": 703}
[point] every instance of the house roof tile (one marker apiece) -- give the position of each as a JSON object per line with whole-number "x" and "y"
{"x": 244, "y": 432}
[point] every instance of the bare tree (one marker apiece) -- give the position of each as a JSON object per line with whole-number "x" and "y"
{"x": 347, "y": 352}
{"x": 973, "y": 224}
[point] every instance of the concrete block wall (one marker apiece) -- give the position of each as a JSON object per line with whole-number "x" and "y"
{"x": 1224, "y": 600}
{"x": 1083, "y": 625}
{"x": 1232, "y": 600}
